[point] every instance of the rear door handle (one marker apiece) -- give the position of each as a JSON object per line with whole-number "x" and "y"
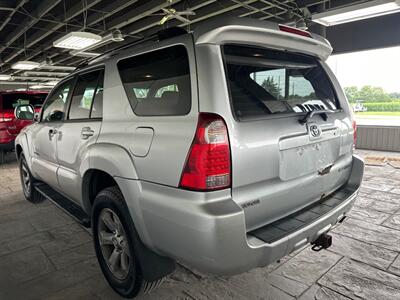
{"x": 86, "y": 133}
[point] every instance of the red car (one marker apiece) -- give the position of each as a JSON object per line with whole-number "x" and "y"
{"x": 9, "y": 125}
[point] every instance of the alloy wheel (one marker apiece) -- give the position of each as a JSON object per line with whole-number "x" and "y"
{"x": 26, "y": 180}
{"x": 114, "y": 244}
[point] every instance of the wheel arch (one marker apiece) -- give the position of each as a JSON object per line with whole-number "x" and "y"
{"x": 93, "y": 181}
{"x": 104, "y": 162}
{"x": 153, "y": 265}
{"x": 22, "y": 145}
{"x": 18, "y": 150}
{"x": 113, "y": 159}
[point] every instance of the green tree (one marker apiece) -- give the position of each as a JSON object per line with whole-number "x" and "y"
{"x": 367, "y": 93}
{"x": 271, "y": 87}
{"x": 394, "y": 95}
{"x": 373, "y": 94}
{"x": 351, "y": 93}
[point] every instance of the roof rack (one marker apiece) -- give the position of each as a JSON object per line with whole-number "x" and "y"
{"x": 158, "y": 36}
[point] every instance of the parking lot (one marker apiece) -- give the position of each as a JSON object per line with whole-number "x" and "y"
{"x": 44, "y": 254}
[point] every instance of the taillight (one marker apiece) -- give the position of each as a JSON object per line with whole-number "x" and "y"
{"x": 208, "y": 165}
{"x": 6, "y": 117}
{"x": 354, "y": 124}
{"x": 294, "y": 30}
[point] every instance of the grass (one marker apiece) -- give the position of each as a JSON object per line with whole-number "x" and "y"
{"x": 379, "y": 113}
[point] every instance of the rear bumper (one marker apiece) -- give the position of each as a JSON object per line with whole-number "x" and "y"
{"x": 207, "y": 230}
{"x": 7, "y": 146}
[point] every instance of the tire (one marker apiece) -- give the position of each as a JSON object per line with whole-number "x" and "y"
{"x": 111, "y": 221}
{"x": 27, "y": 182}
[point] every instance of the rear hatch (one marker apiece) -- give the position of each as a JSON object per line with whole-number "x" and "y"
{"x": 284, "y": 158}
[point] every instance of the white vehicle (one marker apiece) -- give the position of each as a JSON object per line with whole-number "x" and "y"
{"x": 359, "y": 107}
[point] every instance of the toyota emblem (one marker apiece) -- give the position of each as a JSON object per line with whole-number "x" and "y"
{"x": 315, "y": 131}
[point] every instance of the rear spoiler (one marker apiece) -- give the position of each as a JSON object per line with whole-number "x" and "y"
{"x": 262, "y": 33}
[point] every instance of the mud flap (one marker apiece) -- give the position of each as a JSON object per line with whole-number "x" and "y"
{"x": 154, "y": 266}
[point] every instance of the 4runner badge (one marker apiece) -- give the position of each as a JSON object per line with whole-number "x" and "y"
{"x": 251, "y": 203}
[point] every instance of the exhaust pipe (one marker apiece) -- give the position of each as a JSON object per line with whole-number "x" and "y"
{"x": 324, "y": 241}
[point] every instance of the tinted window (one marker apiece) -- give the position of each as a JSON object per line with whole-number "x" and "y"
{"x": 97, "y": 107}
{"x": 84, "y": 93}
{"x": 264, "y": 82}
{"x": 11, "y": 101}
{"x": 54, "y": 107}
{"x": 158, "y": 83}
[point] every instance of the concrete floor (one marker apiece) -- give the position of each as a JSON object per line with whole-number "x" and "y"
{"x": 44, "y": 254}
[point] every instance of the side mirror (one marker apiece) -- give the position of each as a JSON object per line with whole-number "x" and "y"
{"x": 24, "y": 112}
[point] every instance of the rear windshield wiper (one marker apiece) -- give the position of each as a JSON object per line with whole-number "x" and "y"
{"x": 323, "y": 113}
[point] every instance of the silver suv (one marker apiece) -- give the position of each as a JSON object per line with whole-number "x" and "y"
{"x": 224, "y": 149}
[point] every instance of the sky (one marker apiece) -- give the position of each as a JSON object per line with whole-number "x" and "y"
{"x": 380, "y": 68}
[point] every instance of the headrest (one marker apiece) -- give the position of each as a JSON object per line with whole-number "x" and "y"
{"x": 170, "y": 96}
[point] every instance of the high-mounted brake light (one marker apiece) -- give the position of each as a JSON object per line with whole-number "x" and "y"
{"x": 208, "y": 165}
{"x": 354, "y": 124}
{"x": 294, "y": 30}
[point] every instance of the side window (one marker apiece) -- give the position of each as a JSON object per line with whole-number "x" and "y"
{"x": 54, "y": 107}
{"x": 158, "y": 83}
{"x": 97, "y": 107}
{"x": 83, "y": 95}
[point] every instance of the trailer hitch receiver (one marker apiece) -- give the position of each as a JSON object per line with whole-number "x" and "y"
{"x": 324, "y": 241}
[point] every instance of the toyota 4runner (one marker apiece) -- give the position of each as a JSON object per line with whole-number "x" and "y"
{"x": 224, "y": 149}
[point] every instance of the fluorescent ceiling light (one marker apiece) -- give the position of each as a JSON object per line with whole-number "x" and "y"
{"x": 357, "y": 12}
{"x": 5, "y": 77}
{"x": 52, "y": 83}
{"x": 39, "y": 86}
{"x": 25, "y": 65}
{"x": 35, "y": 78}
{"x": 77, "y": 40}
{"x": 52, "y": 67}
{"x": 43, "y": 73}
{"x": 23, "y": 83}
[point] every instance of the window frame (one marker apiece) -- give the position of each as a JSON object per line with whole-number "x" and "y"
{"x": 64, "y": 81}
{"x": 272, "y": 116}
{"x": 76, "y": 76}
{"x": 152, "y": 50}
{"x": 101, "y": 76}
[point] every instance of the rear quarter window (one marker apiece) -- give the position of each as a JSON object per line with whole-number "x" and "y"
{"x": 265, "y": 82}
{"x": 158, "y": 83}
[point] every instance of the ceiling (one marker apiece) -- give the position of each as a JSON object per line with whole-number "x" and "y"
{"x": 29, "y": 27}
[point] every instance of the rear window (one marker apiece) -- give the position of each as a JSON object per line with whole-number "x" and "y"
{"x": 158, "y": 83}
{"x": 11, "y": 101}
{"x": 268, "y": 82}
